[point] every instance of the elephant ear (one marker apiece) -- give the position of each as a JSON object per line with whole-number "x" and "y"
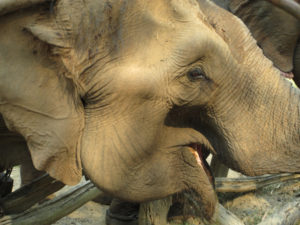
{"x": 61, "y": 43}
{"x": 40, "y": 101}
{"x": 73, "y": 31}
{"x": 40, "y": 108}
{"x": 49, "y": 34}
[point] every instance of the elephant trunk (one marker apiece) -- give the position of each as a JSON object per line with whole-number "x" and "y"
{"x": 284, "y": 154}
{"x": 270, "y": 145}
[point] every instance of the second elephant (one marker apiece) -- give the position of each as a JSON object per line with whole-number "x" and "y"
{"x": 276, "y": 31}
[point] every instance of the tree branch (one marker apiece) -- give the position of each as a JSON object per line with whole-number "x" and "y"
{"x": 245, "y": 184}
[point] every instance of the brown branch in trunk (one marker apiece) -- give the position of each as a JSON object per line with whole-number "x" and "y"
{"x": 290, "y": 6}
{"x": 7, "y": 6}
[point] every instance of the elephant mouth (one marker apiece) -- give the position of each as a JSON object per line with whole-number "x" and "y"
{"x": 201, "y": 153}
{"x": 288, "y": 75}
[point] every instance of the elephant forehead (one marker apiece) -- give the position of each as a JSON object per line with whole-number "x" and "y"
{"x": 155, "y": 24}
{"x": 174, "y": 44}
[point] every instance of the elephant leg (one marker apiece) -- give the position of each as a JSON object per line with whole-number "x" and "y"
{"x": 217, "y": 168}
{"x": 6, "y": 183}
{"x": 104, "y": 199}
{"x": 122, "y": 213}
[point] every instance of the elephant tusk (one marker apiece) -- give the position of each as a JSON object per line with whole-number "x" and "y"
{"x": 7, "y": 6}
{"x": 290, "y": 6}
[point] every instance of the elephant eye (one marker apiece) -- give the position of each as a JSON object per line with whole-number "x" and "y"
{"x": 196, "y": 74}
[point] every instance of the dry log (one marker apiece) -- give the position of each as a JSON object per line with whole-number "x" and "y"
{"x": 52, "y": 210}
{"x": 7, "y": 6}
{"x": 290, "y": 6}
{"x": 245, "y": 184}
{"x": 287, "y": 215}
{"x": 30, "y": 194}
{"x": 225, "y": 217}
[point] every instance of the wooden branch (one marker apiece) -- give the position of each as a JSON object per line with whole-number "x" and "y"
{"x": 7, "y": 6}
{"x": 290, "y": 6}
{"x": 287, "y": 215}
{"x": 30, "y": 194}
{"x": 52, "y": 210}
{"x": 245, "y": 184}
{"x": 225, "y": 217}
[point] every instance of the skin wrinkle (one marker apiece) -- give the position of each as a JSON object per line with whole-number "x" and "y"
{"x": 133, "y": 143}
{"x": 88, "y": 71}
{"x": 118, "y": 147}
{"x": 50, "y": 116}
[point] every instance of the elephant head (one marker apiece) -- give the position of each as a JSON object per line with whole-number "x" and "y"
{"x": 138, "y": 92}
{"x": 277, "y": 32}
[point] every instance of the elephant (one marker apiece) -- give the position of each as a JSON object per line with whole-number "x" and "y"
{"x": 277, "y": 32}
{"x": 135, "y": 94}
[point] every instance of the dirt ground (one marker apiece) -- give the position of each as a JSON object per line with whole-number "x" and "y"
{"x": 251, "y": 208}
{"x": 90, "y": 214}
{"x": 254, "y": 207}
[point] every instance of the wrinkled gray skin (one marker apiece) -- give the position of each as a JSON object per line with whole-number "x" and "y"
{"x": 124, "y": 89}
{"x": 276, "y": 31}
